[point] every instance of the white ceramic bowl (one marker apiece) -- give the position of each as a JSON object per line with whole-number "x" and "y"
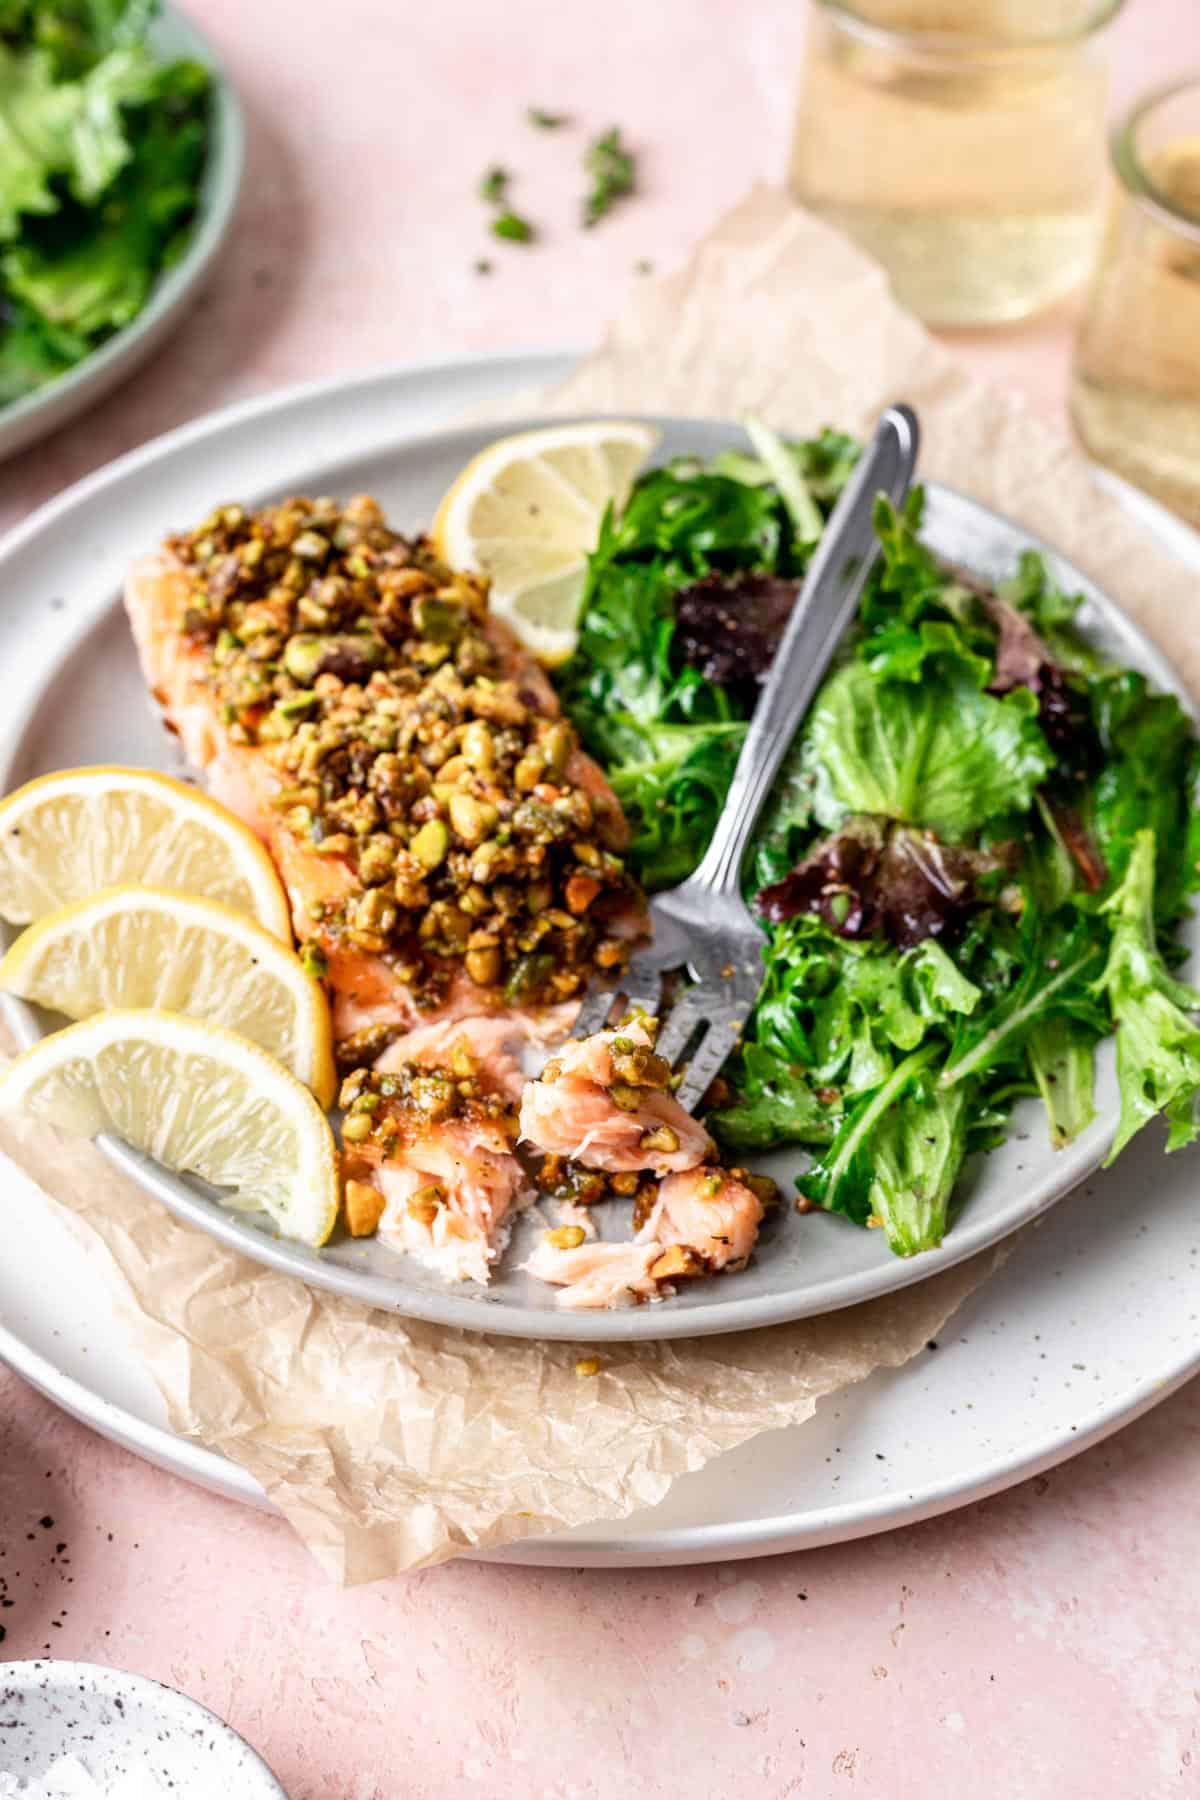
{"x": 123, "y": 1725}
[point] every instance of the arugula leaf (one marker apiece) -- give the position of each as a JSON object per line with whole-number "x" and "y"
{"x": 1057, "y": 962}
{"x": 774, "y": 1105}
{"x": 1062, "y": 1060}
{"x": 897, "y": 1157}
{"x": 824, "y": 464}
{"x": 1052, "y": 614}
{"x": 910, "y": 587}
{"x": 842, "y": 1010}
{"x": 1158, "y": 1045}
{"x": 772, "y": 452}
{"x": 671, "y": 786}
{"x": 937, "y": 752}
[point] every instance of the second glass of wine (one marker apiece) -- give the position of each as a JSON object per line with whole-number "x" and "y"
{"x": 1135, "y": 392}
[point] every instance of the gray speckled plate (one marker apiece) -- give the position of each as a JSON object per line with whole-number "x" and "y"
{"x": 123, "y": 1725}
{"x": 87, "y": 704}
{"x": 37, "y": 415}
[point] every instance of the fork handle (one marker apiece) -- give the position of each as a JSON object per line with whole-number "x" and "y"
{"x": 819, "y": 618}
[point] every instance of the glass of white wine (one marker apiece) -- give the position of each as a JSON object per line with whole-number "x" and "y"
{"x": 961, "y": 143}
{"x": 1135, "y": 392}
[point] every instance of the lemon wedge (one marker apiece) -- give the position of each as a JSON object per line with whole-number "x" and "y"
{"x": 195, "y": 1097}
{"x": 526, "y": 512}
{"x": 65, "y": 836}
{"x": 146, "y": 947}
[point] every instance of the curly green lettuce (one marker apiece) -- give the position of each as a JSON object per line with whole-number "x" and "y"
{"x": 102, "y": 149}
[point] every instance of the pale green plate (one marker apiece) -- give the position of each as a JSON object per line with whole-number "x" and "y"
{"x": 38, "y": 414}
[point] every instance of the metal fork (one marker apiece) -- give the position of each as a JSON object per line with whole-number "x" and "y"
{"x": 703, "y": 927}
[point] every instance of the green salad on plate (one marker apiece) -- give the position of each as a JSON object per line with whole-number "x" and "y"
{"x": 974, "y": 862}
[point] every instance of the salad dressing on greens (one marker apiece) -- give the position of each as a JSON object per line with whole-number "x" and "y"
{"x": 973, "y": 865}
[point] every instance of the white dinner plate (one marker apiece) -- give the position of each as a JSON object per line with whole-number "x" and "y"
{"x": 1092, "y": 1320}
{"x": 36, "y": 415}
{"x": 89, "y": 705}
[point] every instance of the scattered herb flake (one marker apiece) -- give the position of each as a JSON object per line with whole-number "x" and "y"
{"x": 483, "y": 266}
{"x": 513, "y": 227}
{"x": 494, "y": 186}
{"x": 612, "y": 170}
{"x": 546, "y": 121}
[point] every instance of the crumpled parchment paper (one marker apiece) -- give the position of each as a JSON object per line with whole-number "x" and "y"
{"x": 391, "y": 1444}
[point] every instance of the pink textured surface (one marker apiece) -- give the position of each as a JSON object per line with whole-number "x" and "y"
{"x": 1043, "y": 1642}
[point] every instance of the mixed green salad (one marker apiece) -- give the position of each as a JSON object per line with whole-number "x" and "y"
{"x": 974, "y": 863}
{"x": 102, "y": 146}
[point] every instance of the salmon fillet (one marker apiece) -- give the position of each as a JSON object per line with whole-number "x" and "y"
{"x": 447, "y": 848}
{"x": 453, "y": 865}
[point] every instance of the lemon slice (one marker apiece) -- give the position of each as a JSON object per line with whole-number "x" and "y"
{"x": 526, "y": 512}
{"x": 145, "y": 947}
{"x": 195, "y": 1097}
{"x": 68, "y": 835}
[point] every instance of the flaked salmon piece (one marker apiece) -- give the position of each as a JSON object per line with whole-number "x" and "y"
{"x": 597, "y": 1274}
{"x": 703, "y": 1220}
{"x": 434, "y": 1135}
{"x": 459, "y": 1231}
{"x": 710, "y": 1212}
{"x": 570, "y": 1110}
{"x": 496, "y": 1040}
{"x": 178, "y": 602}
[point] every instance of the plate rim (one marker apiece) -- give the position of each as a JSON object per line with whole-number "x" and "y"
{"x": 726, "y": 1539}
{"x": 477, "y": 1310}
{"x": 48, "y": 408}
{"x": 775, "y": 1535}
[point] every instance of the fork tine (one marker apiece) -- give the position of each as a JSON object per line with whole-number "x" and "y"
{"x": 693, "y": 1008}
{"x": 593, "y": 1014}
{"x": 721, "y": 1038}
{"x": 642, "y": 985}
{"x": 639, "y": 988}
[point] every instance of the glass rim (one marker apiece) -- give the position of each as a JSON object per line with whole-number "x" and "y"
{"x": 950, "y": 43}
{"x": 1132, "y": 172}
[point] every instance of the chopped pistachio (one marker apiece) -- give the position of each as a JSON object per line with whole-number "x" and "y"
{"x": 430, "y": 843}
{"x": 313, "y": 959}
{"x": 661, "y": 1138}
{"x": 566, "y": 1237}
